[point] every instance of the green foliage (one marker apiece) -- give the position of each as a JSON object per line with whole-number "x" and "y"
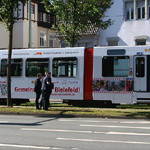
{"x": 75, "y": 16}
{"x": 7, "y": 7}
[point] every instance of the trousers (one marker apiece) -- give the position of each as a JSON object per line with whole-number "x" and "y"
{"x": 45, "y": 99}
{"x": 38, "y": 94}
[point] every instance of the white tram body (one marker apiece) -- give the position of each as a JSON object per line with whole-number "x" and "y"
{"x": 118, "y": 74}
{"x": 124, "y": 72}
{"x": 68, "y": 80}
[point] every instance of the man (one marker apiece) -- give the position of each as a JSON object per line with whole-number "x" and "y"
{"x": 37, "y": 89}
{"x": 41, "y": 101}
{"x": 46, "y": 90}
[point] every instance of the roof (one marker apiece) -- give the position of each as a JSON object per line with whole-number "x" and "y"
{"x": 90, "y": 31}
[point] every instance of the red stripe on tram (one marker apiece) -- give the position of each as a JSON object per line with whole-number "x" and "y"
{"x": 88, "y": 74}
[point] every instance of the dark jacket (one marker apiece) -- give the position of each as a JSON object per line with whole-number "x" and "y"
{"x": 37, "y": 86}
{"x": 45, "y": 86}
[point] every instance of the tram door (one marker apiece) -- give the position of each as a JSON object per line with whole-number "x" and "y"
{"x": 140, "y": 73}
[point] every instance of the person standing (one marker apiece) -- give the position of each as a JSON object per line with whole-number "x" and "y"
{"x": 37, "y": 89}
{"x": 46, "y": 90}
{"x": 41, "y": 101}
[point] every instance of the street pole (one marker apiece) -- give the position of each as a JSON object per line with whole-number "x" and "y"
{"x": 29, "y": 39}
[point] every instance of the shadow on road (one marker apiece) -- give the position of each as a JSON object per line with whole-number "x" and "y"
{"x": 38, "y": 123}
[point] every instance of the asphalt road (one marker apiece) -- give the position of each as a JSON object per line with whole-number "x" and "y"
{"x": 45, "y": 133}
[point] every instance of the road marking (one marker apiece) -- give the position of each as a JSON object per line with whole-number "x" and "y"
{"x": 93, "y": 121}
{"x": 89, "y": 132}
{"x": 103, "y": 141}
{"x": 105, "y": 126}
{"x": 56, "y": 148}
{"x": 70, "y": 120}
{"x": 142, "y": 122}
{"x": 123, "y": 133}
{"x": 63, "y": 148}
{"x": 4, "y": 121}
{"x": 24, "y": 146}
{"x": 55, "y": 130}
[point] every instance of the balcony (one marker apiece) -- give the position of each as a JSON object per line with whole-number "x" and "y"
{"x": 44, "y": 24}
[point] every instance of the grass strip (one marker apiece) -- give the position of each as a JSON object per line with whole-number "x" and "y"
{"x": 80, "y": 111}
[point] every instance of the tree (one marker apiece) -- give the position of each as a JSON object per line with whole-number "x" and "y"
{"x": 74, "y": 17}
{"x": 7, "y": 8}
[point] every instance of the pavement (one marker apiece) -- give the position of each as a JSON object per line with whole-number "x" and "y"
{"x": 53, "y": 133}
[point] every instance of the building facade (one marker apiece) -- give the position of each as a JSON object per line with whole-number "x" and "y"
{"x": 131, "y": 24}
{"x": 42, "y": 34}
{"x": 131, "y": 27}
{"x": 87, "y": 39}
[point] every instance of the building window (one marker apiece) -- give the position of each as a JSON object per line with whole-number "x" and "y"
{"x": 42, "y": 39}
{"x": 51, "y": 40}
{"x": 129, "y": 14}
{"x": 18, "y": 13}
{"x": 129, "y": 10}
{"x": 40, "y": 16}
{"x": 141, "y": 12}
{"x": 32, "y": 9}
{"x": 48, "y": 18}
{"x": 112, "y": 43}
{"x": 140, "y": 42}
{"x": 140, "y": 9}
{"x": 149, "y": 11}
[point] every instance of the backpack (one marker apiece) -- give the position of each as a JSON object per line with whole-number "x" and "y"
{"x": 35, "y": 86}
{"x": 52, "y": 85}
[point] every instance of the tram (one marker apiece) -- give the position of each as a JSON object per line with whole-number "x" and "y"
{"x": 119, "y": 75}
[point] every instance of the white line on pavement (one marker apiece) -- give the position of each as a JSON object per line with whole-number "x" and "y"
{"x": 24, "y": 146}
{"x": 31, "y": 147}
{"x": 105, "y": 126}
{"x": 93, "y": 121}
{"x": 103, "y": 141}
{"x": 55, "y": 130}
{"x": 142, "y": 122}
{"x": 89, "y": 132}
{"x": 56, "y": 148}
{"x": 62, "y": 148}
{"x": 96, "y": 121}
{"x": 4, "y": 121}
{"x": 123, "y": 133}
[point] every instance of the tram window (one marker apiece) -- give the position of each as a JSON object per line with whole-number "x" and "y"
{"x": 36, "y": 65}
{"x": 140, "y": 67}
{"x": 65, "y": 67}
{"x": 115, "y": 66}
{"x": 16, "y": 67}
